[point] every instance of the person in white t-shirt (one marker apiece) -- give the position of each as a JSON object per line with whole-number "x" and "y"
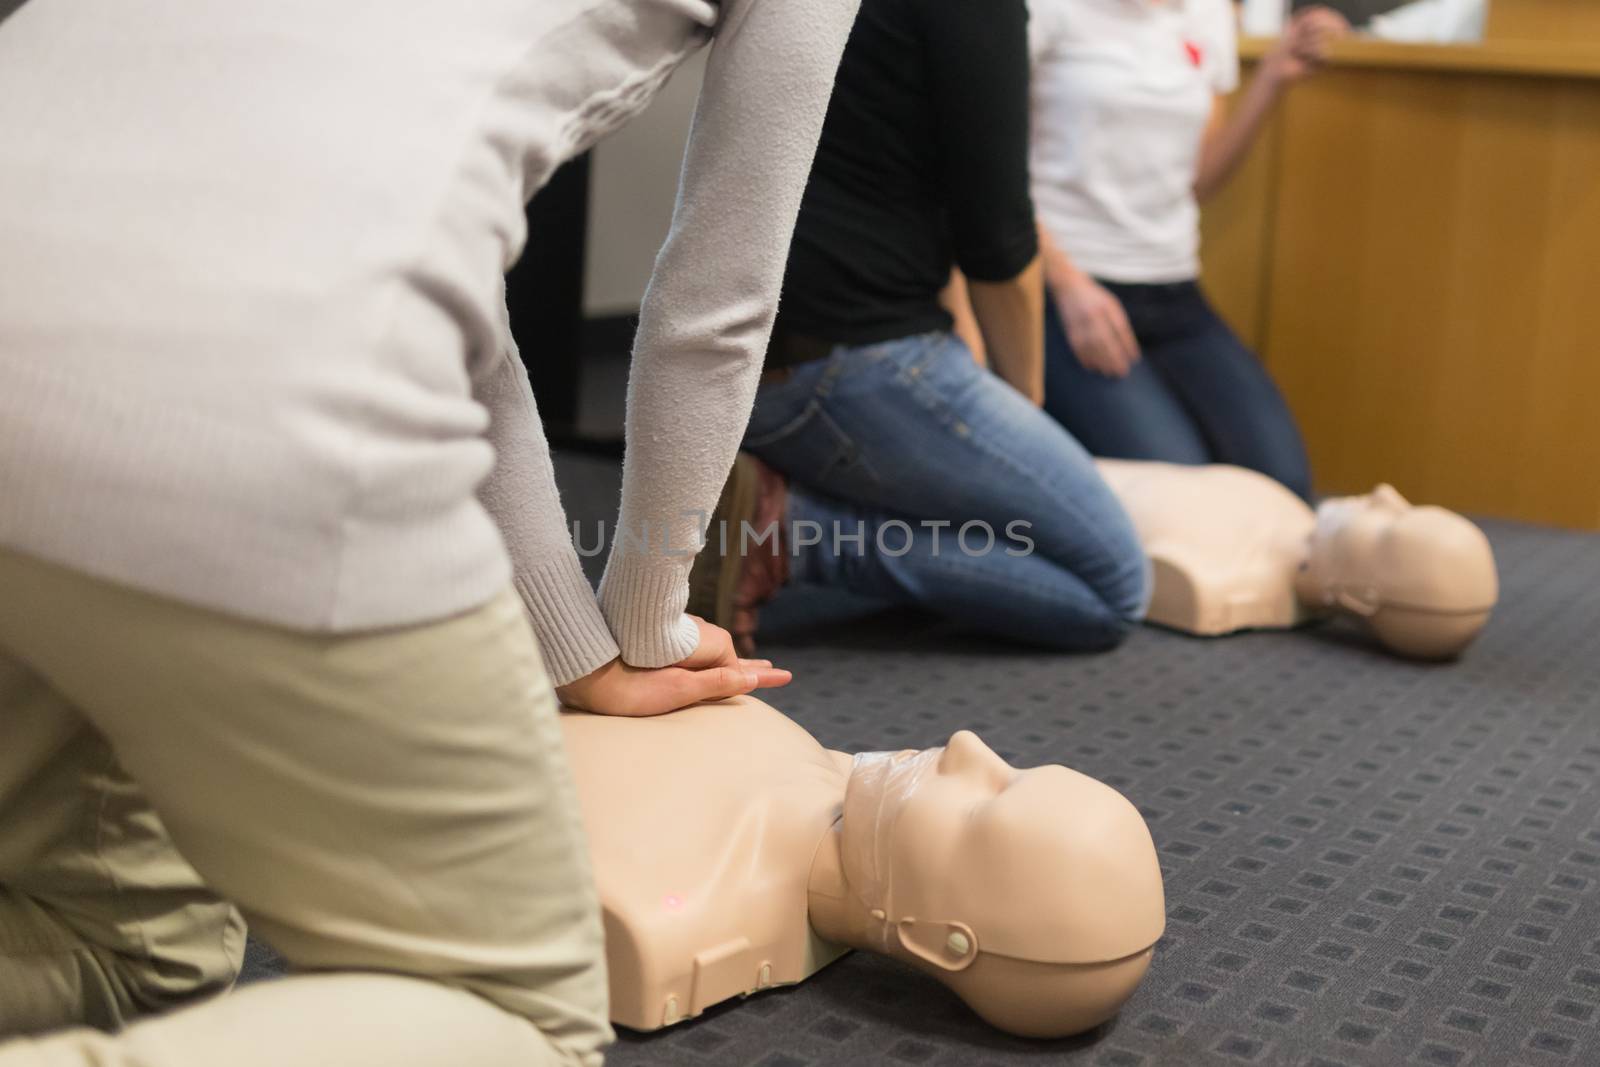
{"x": 1128, "y": 136}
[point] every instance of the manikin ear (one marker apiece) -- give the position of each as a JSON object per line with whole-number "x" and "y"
{"x": 950, "y": 946}
{"x": 1362, "y": 600}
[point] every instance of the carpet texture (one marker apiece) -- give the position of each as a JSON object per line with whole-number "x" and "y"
{"x": 1367, "y": 861}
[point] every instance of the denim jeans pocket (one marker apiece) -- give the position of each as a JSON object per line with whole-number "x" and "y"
{"x": 814, "y": 450}
{"x": 770, "y": 427}
{"x": 781, "y": 405}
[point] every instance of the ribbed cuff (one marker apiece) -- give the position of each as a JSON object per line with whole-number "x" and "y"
{"x": 572, "y": 633}
{"x": 643, "y": 599}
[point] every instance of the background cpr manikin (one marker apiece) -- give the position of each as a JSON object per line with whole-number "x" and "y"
{"x": 732, "y": 852}
{"x": 1231, "y": 549}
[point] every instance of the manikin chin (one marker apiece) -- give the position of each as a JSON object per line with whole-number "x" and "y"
{"x": 732, "y": 853}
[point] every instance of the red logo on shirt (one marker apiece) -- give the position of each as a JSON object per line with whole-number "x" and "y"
{"x": 1195, "y": 52}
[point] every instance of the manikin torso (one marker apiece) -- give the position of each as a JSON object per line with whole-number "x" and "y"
{"x": 702, "y": 828}
{"x": 1231, "y": 549}
{"x": 732, "y": 852}
{"x": 1224, "y": 544}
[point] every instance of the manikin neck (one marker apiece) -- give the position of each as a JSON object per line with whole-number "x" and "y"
{"x": 837, "y": 914}
{"x": 1307, "y": 589}
{"x": 1316, "y": 578}
{"x": 1338, "y": 556}
{"x": 1321, "y": 585}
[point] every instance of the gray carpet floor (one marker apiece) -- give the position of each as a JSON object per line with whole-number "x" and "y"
{"x": 1367, "y": 861}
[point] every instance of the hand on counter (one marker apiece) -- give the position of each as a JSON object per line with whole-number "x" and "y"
{"x": 1303, "y": 46}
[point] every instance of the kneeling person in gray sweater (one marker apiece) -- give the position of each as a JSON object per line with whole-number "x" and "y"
{"x": 285, "y": 584}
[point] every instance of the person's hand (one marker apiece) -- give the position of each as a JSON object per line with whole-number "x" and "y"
{"x": 1097, "y": 326}
{"x": 713, "y": 671}
{"x": 717, "y": 649}
{"x": 1303, "y": 46}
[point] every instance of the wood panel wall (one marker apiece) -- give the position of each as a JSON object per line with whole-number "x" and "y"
{"x": 1556, "y": 21}
{"x": 1416, "y": 254}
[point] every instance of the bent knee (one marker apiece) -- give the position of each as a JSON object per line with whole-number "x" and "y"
{"x": 1109, "y": 621}
{"x": 1125, "y": 599}
{"x": 1125, "y": 589}
{"x": 1283, "y": 459}
{"x": 1297, "y": 479}
{"x": 1105, "y": 633}
{"x": 105, "y": 968}
{"x": 1130, "y": 598}
{"x": 1119, "y": 595}
{"x": 190, "y": 954}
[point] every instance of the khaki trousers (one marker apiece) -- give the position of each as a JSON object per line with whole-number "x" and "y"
{"x": 392, "y": 809}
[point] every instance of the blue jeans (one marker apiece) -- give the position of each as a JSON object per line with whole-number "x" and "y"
{"x": 1198, "y": 395}
{"x": 887, "y": 440}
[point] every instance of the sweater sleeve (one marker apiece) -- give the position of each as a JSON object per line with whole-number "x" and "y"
{"x": 708, "y": 310}
{"x": 520, "y": 492}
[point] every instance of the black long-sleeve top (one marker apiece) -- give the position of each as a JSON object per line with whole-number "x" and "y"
{"x": 923, "y": 162}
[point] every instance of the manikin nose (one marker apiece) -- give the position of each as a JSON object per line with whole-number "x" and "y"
{"x": 967, "y": 757}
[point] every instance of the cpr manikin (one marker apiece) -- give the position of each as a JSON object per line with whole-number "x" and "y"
{"x": 1232, "y": 549}
{"x": 732, "y": 852}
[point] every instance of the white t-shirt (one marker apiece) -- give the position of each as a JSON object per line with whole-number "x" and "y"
{"x": 1122, "y": 90}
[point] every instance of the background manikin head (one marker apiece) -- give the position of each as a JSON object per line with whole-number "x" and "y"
{"x": 1422, "y": 577}
{"x": 1034, "y": 894}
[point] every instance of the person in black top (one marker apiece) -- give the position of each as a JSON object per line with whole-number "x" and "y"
{"x": 922, "y": 162}
{"x": 885, "y": 458}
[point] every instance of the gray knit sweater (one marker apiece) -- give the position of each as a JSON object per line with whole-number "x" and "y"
{"x": 253, "y": 346}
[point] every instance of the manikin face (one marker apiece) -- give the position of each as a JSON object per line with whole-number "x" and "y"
{"x": 1423, "y": 577}
{"x": 1026, "y": 860}
{"x": 1370, "y": 514}
{"x": 1345, "y": 544}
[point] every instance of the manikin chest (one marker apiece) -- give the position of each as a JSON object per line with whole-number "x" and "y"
{"x": 702, "y": 826}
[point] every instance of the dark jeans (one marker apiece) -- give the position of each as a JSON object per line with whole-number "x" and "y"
{"x": 1197, "y": 395}
{"x": 881, "y": 442}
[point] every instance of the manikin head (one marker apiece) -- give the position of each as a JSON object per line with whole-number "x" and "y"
{"x": 1422, "y": 577}
{"x": 1034, "y": 894}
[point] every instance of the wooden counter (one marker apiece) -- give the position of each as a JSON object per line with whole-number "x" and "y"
{"x": 1533, "y": 58}
{"x": 1414, "y": 248}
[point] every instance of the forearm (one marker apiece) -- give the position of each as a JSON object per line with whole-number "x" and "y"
{"x": 707, "y": 314}
{"x": 1059, "y": 269}
{"x": 1301, "y": 48}
{"x": 520, "y": 493}
{"x": 954, "y": 299}
{"x": 1010, "y": 315}
{"x": 1227, "y": 142}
